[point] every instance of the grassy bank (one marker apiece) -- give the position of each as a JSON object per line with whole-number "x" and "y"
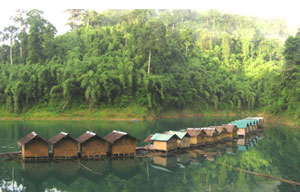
{"x": 138, "y": 113}
{"x": 128, "y": 113}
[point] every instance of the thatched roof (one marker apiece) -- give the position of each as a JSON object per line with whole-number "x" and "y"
{"x": 229, "y": 127}
{"x": 30, "y": 137}
{"x": 116, "y": 135}
{"x": 210, "y": 131}
{"x": 59, "y": 137}
{"x": 148, "y": 139}
{"x": 220, "y": 129}
{"x": 194, "y": 132}
{"x": 88, "y": 135}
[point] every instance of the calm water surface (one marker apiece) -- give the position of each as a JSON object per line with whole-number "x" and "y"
{"x": 276, "y": 152}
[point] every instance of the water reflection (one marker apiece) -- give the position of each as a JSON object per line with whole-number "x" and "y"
{"x": 200, "y": 169}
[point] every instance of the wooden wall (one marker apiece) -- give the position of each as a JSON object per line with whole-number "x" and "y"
{"x": 193, "y": 140}
{"x": 125, "y": 145}
{"x": 197, "y": 140}
{"x": 65, "y": 148}
{"x": 242, "y": 131}
{"x": 211, "y": 139}
{"x": 160, "y": 145}
{"x": 185, "y": 142}
{"x": 35, "y": 148}
{"x": 93, "y": 147}
{"x": 165, "y": 146}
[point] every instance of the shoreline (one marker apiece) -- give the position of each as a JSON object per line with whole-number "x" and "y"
{"x": 113, "y": 115}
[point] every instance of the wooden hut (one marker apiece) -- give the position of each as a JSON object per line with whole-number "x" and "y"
{"x": 164, "y": 142}
{"x": 222, "y": 133}
{"x": 211, "y": 134}
{"x": 91, "y": 145}
{"x": 259, "y": 119}
{"x": 231, "y": 130}
{"x": 197, "y": 136}
{"x": 34, "y": 146}
{"x": 184, "y": 138}
{"x": 251, "y": 124}
{"x": 64, "y": 146}
{"x": 243, "y": 127}
{"x": 121, "y": 143}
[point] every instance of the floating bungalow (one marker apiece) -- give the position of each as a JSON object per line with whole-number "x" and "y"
{"x": 34, "y": 146}
{"x": 64, "y": 145}
{"x": 243, "y": 127}
{"x": 211, "y": 134}
{"x": 91, "y": 145}
{"x": 231, "y": 130}
{"x": 255, "y": 121}
{"x": 197, "y": 136}
{"x": 164, "y": 142}
{"x": 121, "y": 143}
{"x": 259, "y": 119}
{"x": 184, "y": 138}
{"x": 222, "y": 133}
{"x": 251, "y": 123}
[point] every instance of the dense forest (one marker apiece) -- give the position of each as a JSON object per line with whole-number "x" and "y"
{"x": 157, "y": 59}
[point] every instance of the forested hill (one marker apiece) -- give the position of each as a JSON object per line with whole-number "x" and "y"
{"x": 157, "y": 59}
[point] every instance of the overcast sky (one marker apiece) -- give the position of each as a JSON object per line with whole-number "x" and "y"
{"x": 54, "y": 9}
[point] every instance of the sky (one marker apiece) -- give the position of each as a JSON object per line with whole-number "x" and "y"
{"x": 54, "y": 9}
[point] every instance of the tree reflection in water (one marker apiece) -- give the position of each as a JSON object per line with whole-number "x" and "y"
{"x": 277, "y": 154}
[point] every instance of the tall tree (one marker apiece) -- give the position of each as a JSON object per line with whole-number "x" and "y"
{"x": 20, "y": 18}
{"x": 75, "y": 18}
{"x": 151, "y": 37}
{"x": 9, "y": 33}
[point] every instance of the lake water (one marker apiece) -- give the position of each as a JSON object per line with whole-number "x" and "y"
{"x": 275, "y": 152}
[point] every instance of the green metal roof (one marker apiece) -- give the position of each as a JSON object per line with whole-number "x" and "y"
{"x": 241, "y": 124}
{"x": 180, "y": 134}
{"x": 253, "y": 121}
{"x": 162, "y": 137}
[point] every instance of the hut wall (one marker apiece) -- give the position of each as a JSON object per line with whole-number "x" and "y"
{"x": 94, "y": 147}
{"x": 211, "y": 139}
{"x": 193, "y": 140}
{"x": 65, "y": 148}
{"x": 164, "y": 145}
{"x": 172, "y": 144}
{"x": 242, "y": 131}
{"x": 185, "y": 142}
{"x": 35, "y": 148}
{"x": 160, "y": 145}
{"x": 234, "y": 133}
{"x": 125, "y": 145}
{"x": 202, "y": 139}
{"x": 219, "y": 137}
{"x": 223, "y": 136}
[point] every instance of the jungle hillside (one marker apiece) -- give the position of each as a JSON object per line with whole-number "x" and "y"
{"x": 148, "y": 62}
